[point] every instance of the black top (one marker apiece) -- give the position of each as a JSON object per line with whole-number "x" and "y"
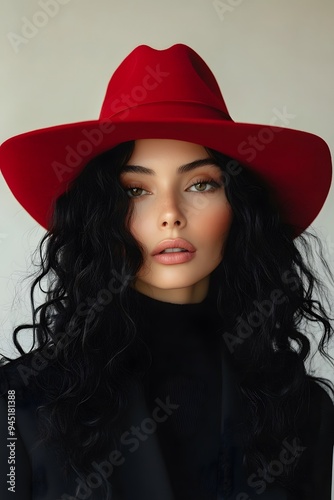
{"x": 185, "y": 370}
{"x": 181, "y": 431}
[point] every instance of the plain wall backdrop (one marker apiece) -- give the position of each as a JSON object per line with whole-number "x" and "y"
{"x": 57, "y": 57}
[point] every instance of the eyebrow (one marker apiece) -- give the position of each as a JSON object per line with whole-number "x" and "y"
{"x": 138, "y": 169}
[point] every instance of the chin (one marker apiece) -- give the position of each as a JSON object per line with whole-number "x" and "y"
{"x": 172, "y": 282}
{"x": 176, "y": 286}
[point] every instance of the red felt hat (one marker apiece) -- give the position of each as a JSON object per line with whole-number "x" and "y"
{"x": 169, "y": 94}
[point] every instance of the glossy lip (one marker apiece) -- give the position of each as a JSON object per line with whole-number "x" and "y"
{"x": 176, "y": 243}
{"x": 174, "y": 258}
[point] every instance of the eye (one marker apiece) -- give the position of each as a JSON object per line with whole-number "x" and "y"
{"x": 134, "y": 191}
{"x": 205, "y": 182}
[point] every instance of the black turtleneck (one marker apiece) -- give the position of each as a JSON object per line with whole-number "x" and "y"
{"x": 186, "y": 368}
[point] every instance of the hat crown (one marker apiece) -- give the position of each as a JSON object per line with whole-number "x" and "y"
{"x": 168, "y": 94}
{"x": 170, "y": 77}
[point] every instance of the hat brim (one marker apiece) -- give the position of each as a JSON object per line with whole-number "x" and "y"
{"x": 39, "y": 165}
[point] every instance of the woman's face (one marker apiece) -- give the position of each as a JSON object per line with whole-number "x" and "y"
{"x": 172, "y": 202}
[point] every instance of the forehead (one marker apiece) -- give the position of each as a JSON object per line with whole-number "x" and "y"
{"x": 155, "y": 148}
{"x": 151, "y": 155}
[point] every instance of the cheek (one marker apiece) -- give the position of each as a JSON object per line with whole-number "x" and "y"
{"x": 139, "y": 226}
{"x": 215, "y": 224}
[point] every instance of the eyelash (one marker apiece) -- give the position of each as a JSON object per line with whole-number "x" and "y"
{"x": 211, "y": 181}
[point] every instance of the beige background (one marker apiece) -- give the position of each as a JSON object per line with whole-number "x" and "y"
{"x": 266, "y": 54}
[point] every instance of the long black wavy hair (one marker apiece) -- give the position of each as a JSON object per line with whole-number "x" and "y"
{"x": 84, "y": 329}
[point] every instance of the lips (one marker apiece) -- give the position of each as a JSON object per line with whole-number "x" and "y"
{"x": 176, "y": 243}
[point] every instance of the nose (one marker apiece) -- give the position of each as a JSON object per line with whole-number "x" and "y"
{"x": 171, "y": 213}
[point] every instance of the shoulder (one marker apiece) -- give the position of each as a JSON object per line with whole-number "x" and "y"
{"x": 26, "y": 378}
{"x": 316, "y": 415}
{"x": 314, "y": 448}
{"x": 320, "y": 408}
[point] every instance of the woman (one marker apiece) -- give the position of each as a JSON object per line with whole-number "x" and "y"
{"x": 168, "y": 357}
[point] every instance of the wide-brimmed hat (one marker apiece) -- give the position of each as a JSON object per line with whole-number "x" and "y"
{"x": 169, "y": 94}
